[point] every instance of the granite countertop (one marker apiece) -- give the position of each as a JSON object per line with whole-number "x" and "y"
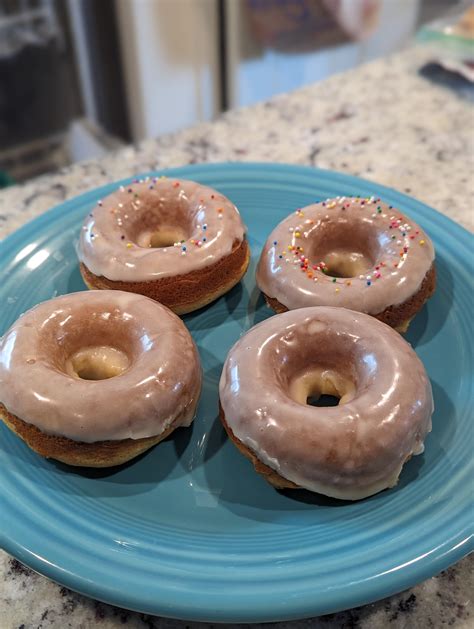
{"x": 398, "y": 121}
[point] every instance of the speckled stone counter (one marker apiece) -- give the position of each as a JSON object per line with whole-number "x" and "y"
{"x": 398, "y": 121}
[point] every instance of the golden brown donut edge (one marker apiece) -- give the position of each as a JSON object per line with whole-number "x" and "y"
{"x": 398, "y": 316}
{"x": 185, "y": 293}
{"x": 79, "y": 453}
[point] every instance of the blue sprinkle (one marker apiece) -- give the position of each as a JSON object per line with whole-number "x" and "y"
{"x": 369, "y": 282}
{"x": 204, "y": 227}
{"x": 404, "y": 234}
{"x": 204, "y": 239}
{"x": 183, "y": 248}
{"x": 275, "y": 242}
{"x": 280, "y": 257}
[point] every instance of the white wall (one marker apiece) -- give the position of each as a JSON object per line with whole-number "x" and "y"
{"x": 170, "y": 55}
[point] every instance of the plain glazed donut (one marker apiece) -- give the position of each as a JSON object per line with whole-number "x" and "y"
{"x": 96, "y": 378}
{"x": 349, "y": 451}
{"x": 349, "y": 252}
{"x": 178, "y": 242}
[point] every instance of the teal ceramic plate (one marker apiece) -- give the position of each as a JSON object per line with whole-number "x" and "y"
{"x": 189, "y": 530}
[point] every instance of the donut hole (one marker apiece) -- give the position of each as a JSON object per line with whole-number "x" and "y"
{"x": 321, "y": 387}
{"x": 341, "y": 263}
{"x": 163, "y": 237}
{"x": 323, "y": 400}
{"x": 97, "y": 363}
{"x": 93, "y": 340}
{"x": 346, "y": 250}
{"x": 161, "y": 223}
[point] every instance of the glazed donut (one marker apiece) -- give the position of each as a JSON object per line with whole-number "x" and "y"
{"x": 178, "y": 242}
{"x": 349, "y": 451}
{"x": 96, "y": 378}
{"x": 355, "y": 253}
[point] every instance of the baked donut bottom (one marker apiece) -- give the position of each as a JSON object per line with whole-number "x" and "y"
{"x": 184, "y": 293}
{"x": 398, "y": 316}
{"x": 79, "y": 453}
{"x": 269, "y": 474}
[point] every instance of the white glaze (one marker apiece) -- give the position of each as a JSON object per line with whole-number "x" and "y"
{"x": 161, "y": 385}
{"x": 115, "y": 235}
{"x": 349, "y": 451}
{"x": 395, "y": 240}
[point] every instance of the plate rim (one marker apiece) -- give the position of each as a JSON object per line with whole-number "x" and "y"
{"x": 420, "y": 568}
{"x": 58, "y": 208}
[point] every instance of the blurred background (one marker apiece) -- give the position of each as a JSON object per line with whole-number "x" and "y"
{"x": 81, "y": 77}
